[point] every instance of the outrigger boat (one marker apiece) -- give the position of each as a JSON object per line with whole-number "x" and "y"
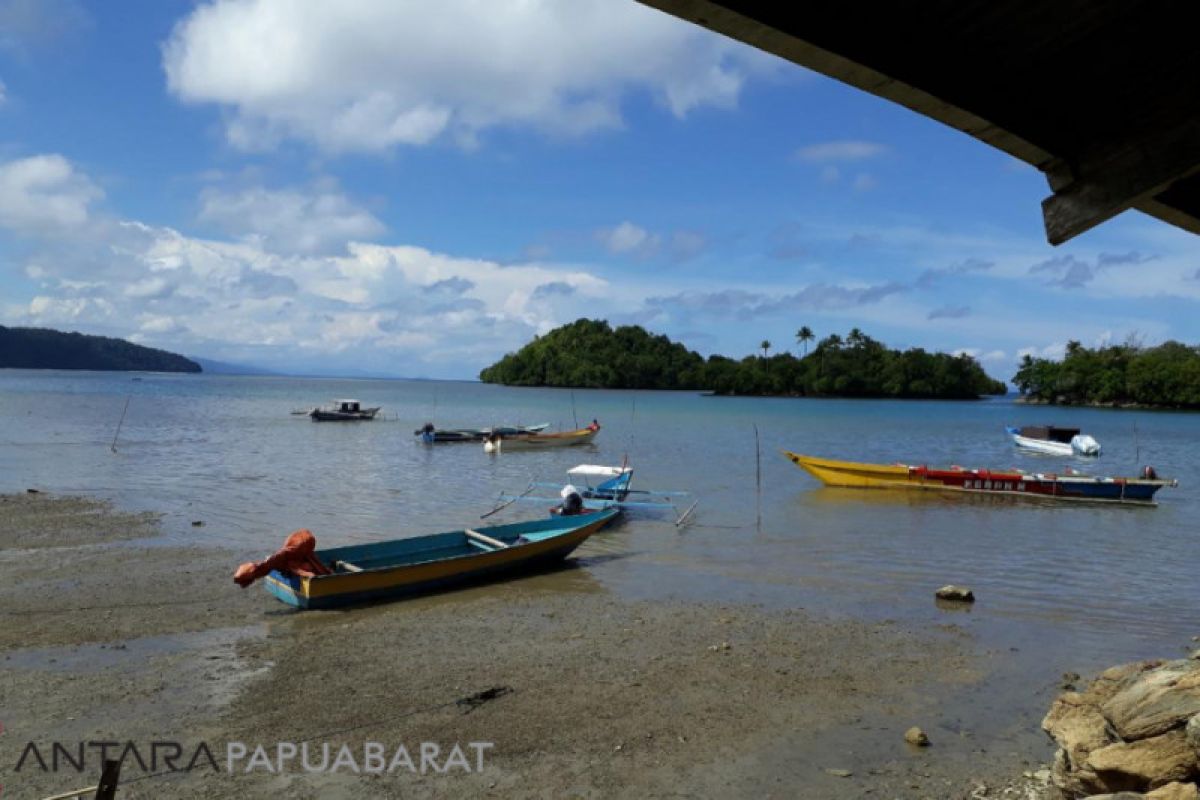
{"x": 432, "y": 435}
{"x": 343, "y": 411}
{"x": 303, "y": 576}
{"x": 497, "y": 443}
{"x": 1054, "y": 441}
{"x": 1070, "y": 486}
{"x": 602, "y": 488}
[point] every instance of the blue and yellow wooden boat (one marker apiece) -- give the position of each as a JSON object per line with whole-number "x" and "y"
{"x": 402, "y": 567}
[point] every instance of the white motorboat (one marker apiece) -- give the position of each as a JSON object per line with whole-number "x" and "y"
{"x": 1055, "y": 441}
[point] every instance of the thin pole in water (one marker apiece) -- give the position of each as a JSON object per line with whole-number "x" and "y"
{"x": 573, "y": 417}
{"x": 1137, "y": 448}
{"x": 757, "y": 480}
{"x": 113, "y": 447}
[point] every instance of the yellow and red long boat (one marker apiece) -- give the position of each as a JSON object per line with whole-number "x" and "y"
{"x": 1073, "y": 486}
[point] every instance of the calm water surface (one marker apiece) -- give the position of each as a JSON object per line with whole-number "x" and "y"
{"x": 1070, "y": 586}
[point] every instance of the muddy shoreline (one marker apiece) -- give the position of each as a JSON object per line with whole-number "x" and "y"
{"x": 578, "y": 692}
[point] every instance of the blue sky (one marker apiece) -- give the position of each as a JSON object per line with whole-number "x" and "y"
{"x": 414, "y": 188}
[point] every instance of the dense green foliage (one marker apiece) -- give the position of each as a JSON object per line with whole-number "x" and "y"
{"x": 1167, "y": 375}
{"x": 588, "y": 353}
{"x": 42, "y": 348}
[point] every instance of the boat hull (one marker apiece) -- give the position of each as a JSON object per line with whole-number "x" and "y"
{"x": 539, "y": 441}
{"x": 461, "y": 435}
{"x": 1078, "y": 446}
{"x": 1134, "y": 491}
{"x": 427, "y": 569}
{"x": 343, "y": 416}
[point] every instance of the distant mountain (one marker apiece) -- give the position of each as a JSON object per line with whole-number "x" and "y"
{"x": 43, "y": 348}
{"x": 212, "y": 367}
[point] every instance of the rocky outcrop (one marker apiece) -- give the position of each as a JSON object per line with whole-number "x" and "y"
{"x": 956, "y": 594}
{"x": 1134, "y": 730}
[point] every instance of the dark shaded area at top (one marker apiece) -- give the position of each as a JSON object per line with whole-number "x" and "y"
{"x": 42, "y": 348}
{"x": 1101, "y": 95}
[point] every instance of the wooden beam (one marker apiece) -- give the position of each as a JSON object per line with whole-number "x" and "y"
{"x": 488, "y": 540}
{"x": 109, "y": 778}
{"x": 1117, "y": 178}
{"x": 715, "y": 16}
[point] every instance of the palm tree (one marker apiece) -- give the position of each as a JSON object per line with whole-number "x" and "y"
{"x": 804, "y": 336}
{"x": 855, "y": 337}
{"x": 766, "y": 346}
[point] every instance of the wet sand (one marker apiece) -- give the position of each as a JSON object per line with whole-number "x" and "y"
{"x": 111, "y": 634}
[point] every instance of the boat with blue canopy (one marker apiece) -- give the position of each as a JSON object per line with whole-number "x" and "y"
{"x": 603, "y": 487}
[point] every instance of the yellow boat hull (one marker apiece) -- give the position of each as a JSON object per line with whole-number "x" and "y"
{"x": 851, "y": 473}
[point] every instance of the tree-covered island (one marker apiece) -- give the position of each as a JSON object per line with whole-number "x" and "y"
{"x": 1166, "y": 376}
{"x": 43, "y": 348}
{"x": 591, "y": 354}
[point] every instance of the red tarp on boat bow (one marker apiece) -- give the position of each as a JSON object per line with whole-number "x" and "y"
{"x": 297, "y": 556}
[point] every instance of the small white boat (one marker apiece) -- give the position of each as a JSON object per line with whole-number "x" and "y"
{"x": 1054, "y": 440}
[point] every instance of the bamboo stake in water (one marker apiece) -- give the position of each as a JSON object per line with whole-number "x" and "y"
{"x": 573, "y": 417}
{"x": 120, "y": 423}
{"x": 757, "y": 480}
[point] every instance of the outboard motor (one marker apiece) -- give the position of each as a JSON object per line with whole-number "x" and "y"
{"x": 1085, "y": 445}
{"x": 1149, "y": 473}
{"x": 572, "y": 501}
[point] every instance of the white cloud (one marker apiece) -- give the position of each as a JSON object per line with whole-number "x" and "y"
{"x": 368, "y": 75}
{"x": 633, "y": 240}
{"x": 396, "y": 308}
{"x": 1054, "y": 350}
{"x": 42, "y": 193}
{"x": 318, "y": 219}
{"x": 840, "y": 150}
{"x": 629, "y": 238}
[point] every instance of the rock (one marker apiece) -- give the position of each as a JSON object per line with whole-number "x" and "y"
{"x": 1155, "y": 701}
{"x": 1195, "y": 656}
{"x": 197, "y": 523}
{"x": 916, "y": 736}
{"x": 1175, "y": 791}
{"x": 1077, "y": 725}
{"x": 839, "y": 773}
{"x": 33, "y": 491}
{"x": 1148, "y": 763}
{"x": 1135, "y": 728}
{"x": 959, "y": 594}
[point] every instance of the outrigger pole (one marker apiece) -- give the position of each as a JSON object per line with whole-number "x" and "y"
{"x": 509, "y": 503}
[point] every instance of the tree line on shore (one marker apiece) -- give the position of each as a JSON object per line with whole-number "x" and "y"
{"x": 44, "y": 348}
{"x": 592, "y": 354}
{"x": 1167, "y": 375}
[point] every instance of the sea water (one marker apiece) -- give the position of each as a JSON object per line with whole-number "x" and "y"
{"x": 1059, "y": 585}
